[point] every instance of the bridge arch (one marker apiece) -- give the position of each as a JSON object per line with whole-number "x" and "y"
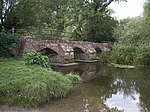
{"x": 53, "y": 55}
{"x": 98, "y": 52}
{"x": 48, "y": 51}
{"x": 79, "y": 54}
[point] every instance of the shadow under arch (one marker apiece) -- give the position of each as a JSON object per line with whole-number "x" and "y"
{"x": 98, "y": 53}
{"x": 50, "y": 53}
{"x": 79, "y": 54}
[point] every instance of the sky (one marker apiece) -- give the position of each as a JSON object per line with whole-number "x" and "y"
{"x": 131, "y": 8}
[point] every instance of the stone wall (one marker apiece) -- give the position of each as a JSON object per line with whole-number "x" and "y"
{"x": 64, "y": 49}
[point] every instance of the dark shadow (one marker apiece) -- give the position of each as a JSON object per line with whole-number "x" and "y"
{"x": 49, "y": 52}
{"x": 52, "y": 55}
{"x": 79, "y": 54}
{"x": 98, "y": 52}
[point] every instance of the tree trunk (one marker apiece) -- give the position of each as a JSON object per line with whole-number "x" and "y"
{"x": 1, "y": 12}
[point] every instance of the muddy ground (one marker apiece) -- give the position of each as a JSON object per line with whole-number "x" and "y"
{"x": 6, "y": 108}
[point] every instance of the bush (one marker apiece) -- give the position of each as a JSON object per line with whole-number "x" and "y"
{"x": 145, "y": 58}
{"x": 74, "y": 77}
{"x": 37, "y": 58}
{"x": 126, "y": 55}
{"x": 132, "y": 46}
{"x": 7, "y": 43}
{"x": 131, "y": 55}
{"x": 30, "y": 86}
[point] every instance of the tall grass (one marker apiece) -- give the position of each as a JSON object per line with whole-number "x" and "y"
{"x": 29, "y": 86}
{"x": 129, "y": 55}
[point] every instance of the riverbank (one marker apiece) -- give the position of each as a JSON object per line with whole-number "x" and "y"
{"x": 6, "y": 108}
{"x": 30, "y": 86}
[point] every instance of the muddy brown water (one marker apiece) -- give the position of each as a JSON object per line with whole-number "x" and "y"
{"x": 104, "y": 89}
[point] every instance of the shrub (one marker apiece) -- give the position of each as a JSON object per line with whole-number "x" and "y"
{"x": 74, "y": 77}
{"x": 132, "y": 46}
{"x": 37, "y": 58}
{"x": 125, "y": 55}
{"x": 128, "y": 55}
{"x": 7, "y": 43}
{"x": 146, "y": 56}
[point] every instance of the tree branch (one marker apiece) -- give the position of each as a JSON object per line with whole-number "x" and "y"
{"x": 110, "y": 1}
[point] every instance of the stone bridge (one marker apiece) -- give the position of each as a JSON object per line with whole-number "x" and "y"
{"x": 60, "y": 51}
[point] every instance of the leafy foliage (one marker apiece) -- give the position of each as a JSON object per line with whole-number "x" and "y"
{"x": 72, "y": 20}
{"x": 21, "y": 13}
{"x": 100, "y": 27}
{"x": 133, "y": 40}
{"x": 132, "y": 46}
{"x": 36, "y": 58}
{"x": 86, "y": 21}
{"x": 74, "y": 77}
{"x": 7, "y": 43}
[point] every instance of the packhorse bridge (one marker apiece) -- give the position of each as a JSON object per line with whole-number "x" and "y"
{"x": 60, "y": 51}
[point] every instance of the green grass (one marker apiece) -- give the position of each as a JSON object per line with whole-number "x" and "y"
{"x": 29, "y": 86}
{"x": 122, "y": 66}
{"x": 74, "y": 77}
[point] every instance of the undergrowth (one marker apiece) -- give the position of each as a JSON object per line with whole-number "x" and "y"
{"x": 36, "y": 58}
{"x": 74, "y": 77}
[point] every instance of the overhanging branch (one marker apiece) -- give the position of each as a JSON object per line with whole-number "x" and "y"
{"x": 110, "y": 1}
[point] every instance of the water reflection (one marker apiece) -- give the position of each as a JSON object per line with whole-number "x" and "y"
{"x": 87, "y": 71}
{"x": 128, "y": 104}
{"x": 106, "y": 90}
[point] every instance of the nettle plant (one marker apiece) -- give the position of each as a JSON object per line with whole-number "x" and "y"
{"x": 37, "y": 58}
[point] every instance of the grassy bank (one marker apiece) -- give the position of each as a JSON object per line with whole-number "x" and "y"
{"x": 29, "y": 86}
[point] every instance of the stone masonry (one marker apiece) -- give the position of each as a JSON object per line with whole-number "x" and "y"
{"x": 62, "y": 51}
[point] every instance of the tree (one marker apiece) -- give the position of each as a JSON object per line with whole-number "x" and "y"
{"x": 59, "y": 15}
{"x": 92, "y": 21}
{"x": 147, "y": 9}
{"x": 133, "y": 38}
{"x": 21, "y": 13}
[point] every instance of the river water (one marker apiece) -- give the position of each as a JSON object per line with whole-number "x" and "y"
{"x": 105, "y": 89}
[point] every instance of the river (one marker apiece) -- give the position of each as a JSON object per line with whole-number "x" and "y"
{"x": 105, "y": 89}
